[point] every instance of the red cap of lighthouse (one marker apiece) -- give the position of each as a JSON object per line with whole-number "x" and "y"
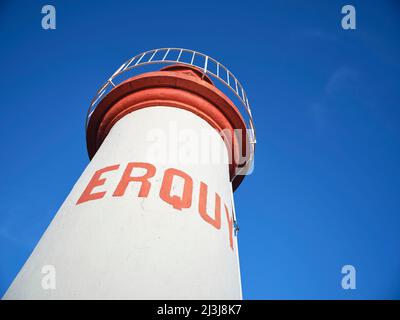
{"x": 182, "y": 86}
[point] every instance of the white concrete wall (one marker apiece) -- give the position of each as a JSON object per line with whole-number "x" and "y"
{"x": 138, "y": 248}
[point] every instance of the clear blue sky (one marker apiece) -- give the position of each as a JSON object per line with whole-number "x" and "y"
{"x": 325, "y": 191}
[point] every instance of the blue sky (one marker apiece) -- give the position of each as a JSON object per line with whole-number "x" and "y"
{"x": 325, "y": 190}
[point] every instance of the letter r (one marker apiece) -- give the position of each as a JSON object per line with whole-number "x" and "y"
{"x": 144, "y": 179}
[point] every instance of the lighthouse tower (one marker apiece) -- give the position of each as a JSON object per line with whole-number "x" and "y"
{"x": 152, "y": 216}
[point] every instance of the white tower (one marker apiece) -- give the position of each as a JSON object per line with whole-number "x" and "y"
{"x": 152, "y": 216}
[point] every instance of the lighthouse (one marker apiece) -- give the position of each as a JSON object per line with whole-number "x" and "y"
{"x": 152, "y": 216}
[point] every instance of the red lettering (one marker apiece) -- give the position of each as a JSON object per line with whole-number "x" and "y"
{"x": 216, "y": 223}
{"x": 230, "y": 226}
{"x": 144, "y": 179}
{"x": 95, "y": 182}
{"x": 177, "y": 201}
{"x": 165, "y": 192}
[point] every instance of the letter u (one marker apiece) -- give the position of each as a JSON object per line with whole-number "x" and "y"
{"x": 216, "y": 222}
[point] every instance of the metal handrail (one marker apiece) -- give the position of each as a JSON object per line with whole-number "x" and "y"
{"x": 222, "y": 74}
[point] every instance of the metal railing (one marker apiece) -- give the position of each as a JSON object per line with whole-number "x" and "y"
{"x": 208, "y": 65}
